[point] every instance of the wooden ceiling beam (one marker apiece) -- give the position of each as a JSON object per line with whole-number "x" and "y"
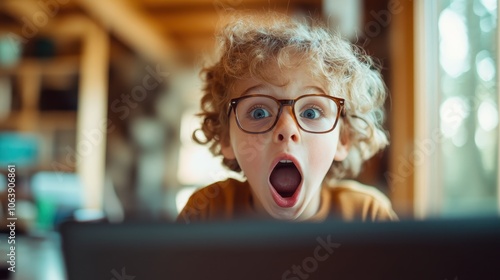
{"x": 133, "y": 27}
{"x": 228, "y": 3}
{"x": 189, "y": 23}
{"x": 37, "y": 18}
{"x": 20, "y": 10}
{"x": 204, "y": 22}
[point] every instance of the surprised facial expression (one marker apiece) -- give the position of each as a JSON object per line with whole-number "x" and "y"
{"x": 285, "y": 165}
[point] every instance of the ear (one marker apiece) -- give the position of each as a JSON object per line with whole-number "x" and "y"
{"x": 342, "y": 151}
{"x": 342, "y": 146}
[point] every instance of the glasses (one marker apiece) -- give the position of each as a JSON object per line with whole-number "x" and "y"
{"x": 313, "y": 113}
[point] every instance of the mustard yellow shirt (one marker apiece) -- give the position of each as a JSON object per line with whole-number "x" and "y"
{"x": 232, "y": 200}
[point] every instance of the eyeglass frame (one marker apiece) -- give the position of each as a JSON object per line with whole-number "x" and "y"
{"x": 233, "y": 103}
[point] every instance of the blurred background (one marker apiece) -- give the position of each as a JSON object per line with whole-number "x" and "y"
{"x": 97, "y": 103}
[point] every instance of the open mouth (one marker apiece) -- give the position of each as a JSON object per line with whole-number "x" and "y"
{"x": 285, "y": 178}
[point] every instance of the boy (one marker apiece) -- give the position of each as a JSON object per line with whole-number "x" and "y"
{"x": 295, "y": 109}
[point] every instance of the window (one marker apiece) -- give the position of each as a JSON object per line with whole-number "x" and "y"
{"x": 457, "y": 108}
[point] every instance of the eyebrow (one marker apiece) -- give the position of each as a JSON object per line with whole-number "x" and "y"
{"x": 260, "y": 86}
{"x": 316, "y": 88}
{"x": 248, "y": 90}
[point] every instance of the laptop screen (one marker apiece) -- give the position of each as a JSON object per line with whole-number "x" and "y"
{"x": 458, "y": 249}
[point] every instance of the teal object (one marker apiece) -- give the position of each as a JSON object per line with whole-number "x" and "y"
{"x": 19, "y": 149}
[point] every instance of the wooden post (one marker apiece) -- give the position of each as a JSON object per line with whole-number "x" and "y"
{"x": 29, "y": 84}
{"x": 92, "y": 115}
{"x": 400, "y": 175}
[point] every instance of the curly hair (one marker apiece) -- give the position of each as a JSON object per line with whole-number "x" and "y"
{"x": 248, "y": 43}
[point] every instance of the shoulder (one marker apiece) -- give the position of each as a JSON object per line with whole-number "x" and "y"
{"x": 215, "y": 201}
{"x": 229, "y": 189}
{"x": 355, "y": 190}
{"x": 358, "y": 201}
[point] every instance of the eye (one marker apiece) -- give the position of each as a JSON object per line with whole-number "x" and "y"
{"x": 259, "y": 113}
{"x": 311, "y": 113}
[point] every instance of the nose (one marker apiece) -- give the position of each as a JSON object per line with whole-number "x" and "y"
{"x": 286, "y": 128}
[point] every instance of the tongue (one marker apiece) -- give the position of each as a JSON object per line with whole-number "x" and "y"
{"x": 285, "y": 179}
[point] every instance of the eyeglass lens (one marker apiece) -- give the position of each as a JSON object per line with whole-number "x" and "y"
{"x": 313, "y": 113}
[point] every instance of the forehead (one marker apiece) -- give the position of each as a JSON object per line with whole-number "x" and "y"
{"x": 297, "y": 72}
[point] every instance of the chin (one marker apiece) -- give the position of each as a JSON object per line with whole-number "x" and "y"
{"x": 284, "y": 214}
{"x": 289, "y": 218}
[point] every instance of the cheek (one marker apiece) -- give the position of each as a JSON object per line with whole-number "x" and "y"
{"x": 322, "y": 151}
{"x": 248, "y": 148}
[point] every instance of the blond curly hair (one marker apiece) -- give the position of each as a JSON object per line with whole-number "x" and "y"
{"x": 248, "y": 43}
